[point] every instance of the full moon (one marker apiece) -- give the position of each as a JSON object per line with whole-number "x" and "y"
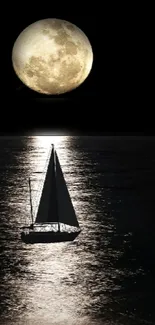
{"x": 52, "y": 56}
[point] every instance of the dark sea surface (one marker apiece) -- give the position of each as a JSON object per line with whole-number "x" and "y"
{"x": 107, "y": 275}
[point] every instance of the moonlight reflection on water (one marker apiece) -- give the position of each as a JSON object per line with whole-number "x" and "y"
{"x": 102, "y": 277}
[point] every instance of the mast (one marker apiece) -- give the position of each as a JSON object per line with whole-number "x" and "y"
{"x": 56, "y": 188}
{"x": 31, "y": 201}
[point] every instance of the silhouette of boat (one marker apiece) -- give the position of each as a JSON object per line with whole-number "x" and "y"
{"x": 56, "y": 219}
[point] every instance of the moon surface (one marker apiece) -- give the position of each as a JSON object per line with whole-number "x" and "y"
{"x": 52, "y": 56}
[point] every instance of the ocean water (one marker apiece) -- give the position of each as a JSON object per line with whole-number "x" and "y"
{"x": 107, "y": 275}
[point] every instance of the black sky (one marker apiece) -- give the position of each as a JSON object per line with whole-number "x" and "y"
{"x": 114, "y": 98}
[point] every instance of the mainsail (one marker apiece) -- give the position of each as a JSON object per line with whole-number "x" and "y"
{"x": 55, "y": 203}
{"x": 47, "y": 211}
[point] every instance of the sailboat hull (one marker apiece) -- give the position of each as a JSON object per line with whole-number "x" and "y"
{"x": 48, "y": 237}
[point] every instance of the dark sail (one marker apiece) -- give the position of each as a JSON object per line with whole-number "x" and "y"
{"x": 47, "y": 211}
{"x": 55, "y": 203}
{"x": 66, "y": 211}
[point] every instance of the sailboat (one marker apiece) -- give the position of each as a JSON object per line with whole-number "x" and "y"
{"x": 56, "y": 219}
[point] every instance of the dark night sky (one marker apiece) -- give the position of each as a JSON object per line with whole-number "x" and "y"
{"x": 116, "y": 88}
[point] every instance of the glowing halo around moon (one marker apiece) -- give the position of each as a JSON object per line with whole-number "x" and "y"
{"x": 52, "y": 56}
